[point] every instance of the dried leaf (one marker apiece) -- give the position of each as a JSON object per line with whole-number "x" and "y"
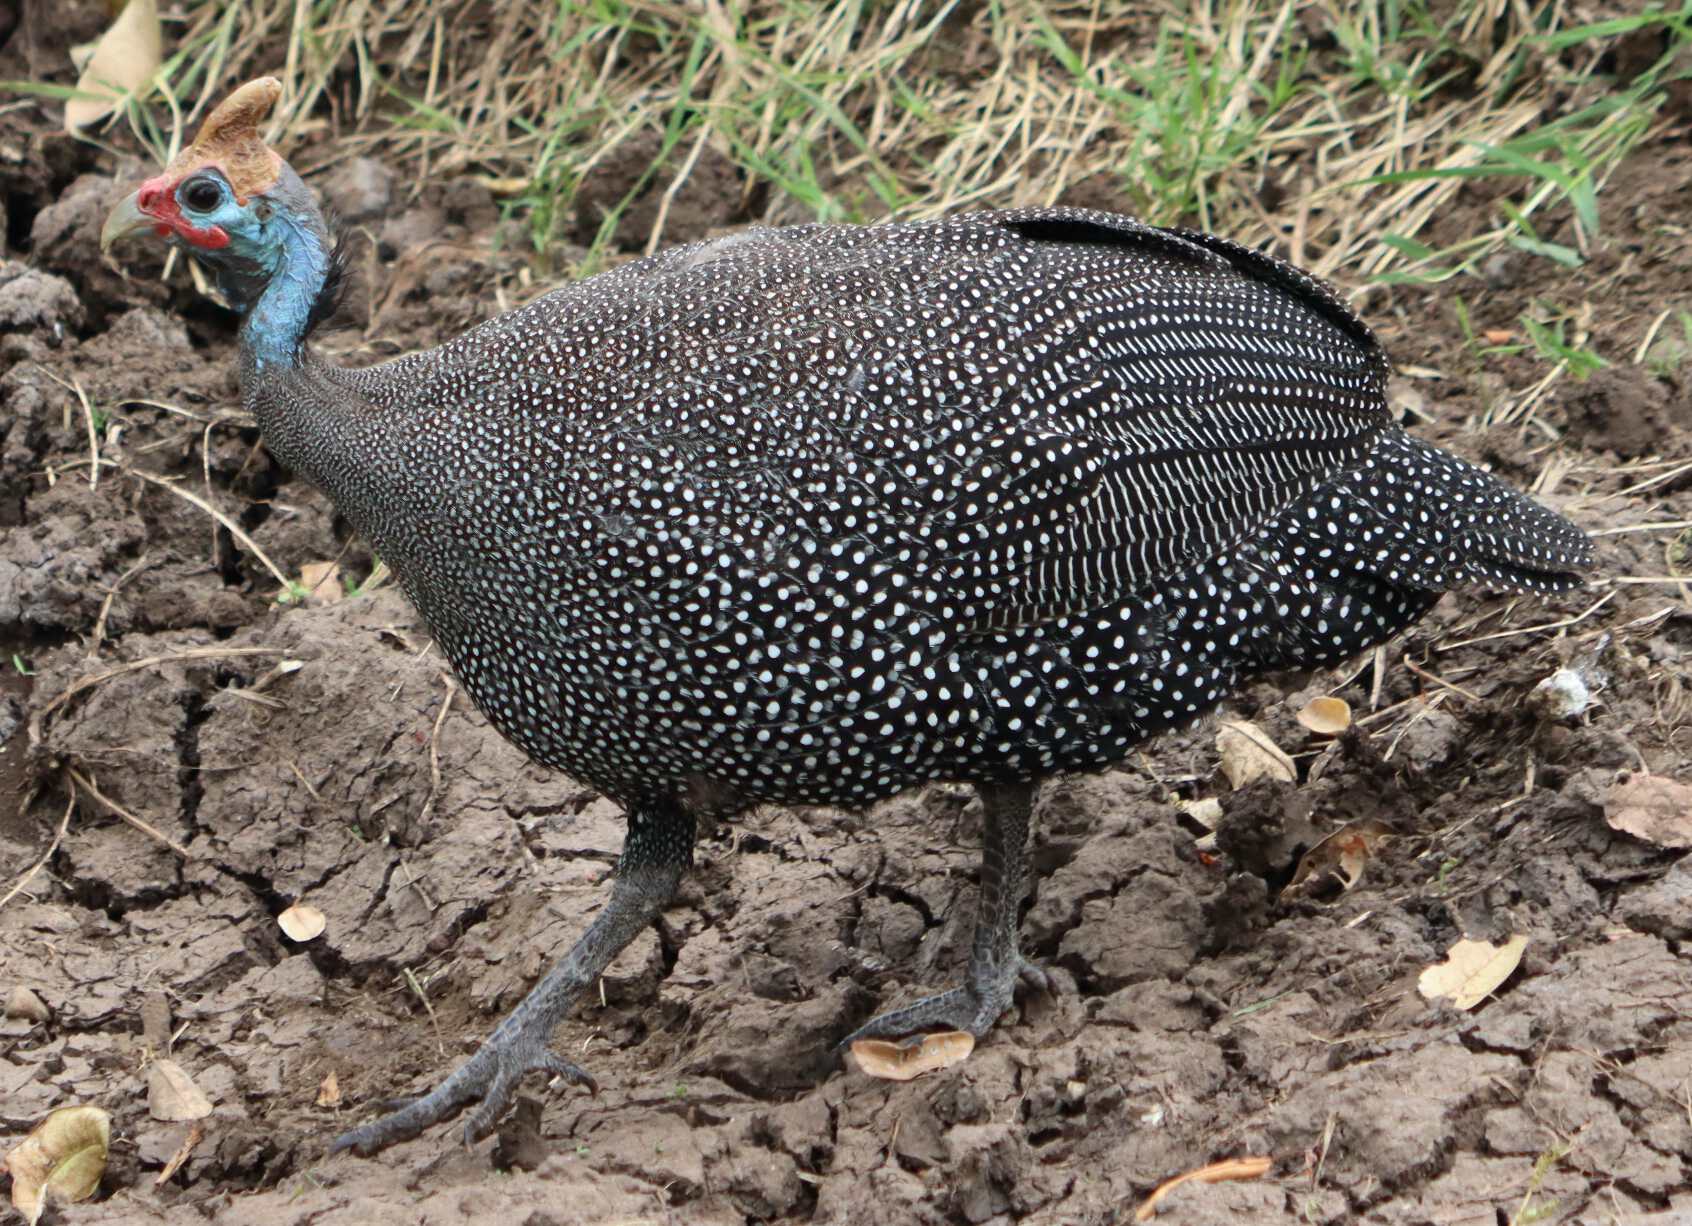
{"x": 1207, "y": 812}
{"x": 21, "y": 1002}
{"x": 123, "y": 61}
{"x": 329, "y": 1090}
{"x": 1406, "y": 399}
{"x": 1248, "y": 754}
{"x": 322, "y": 584}
{"x": 302, "y": 922}
{"x": 172, "y": 1095}
{"x": 1216, "y": 1172}
{"x": 1343, "y": 855}
{"x": 1326, "y": 716}
{"x": 1653, "y": 808}
{"x": 1472, "y": 970}
{"x": 902, "y": 1062}
{"x": 62, "y": 1159}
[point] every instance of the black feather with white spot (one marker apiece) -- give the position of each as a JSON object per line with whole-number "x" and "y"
{"x": 815, "y": 514}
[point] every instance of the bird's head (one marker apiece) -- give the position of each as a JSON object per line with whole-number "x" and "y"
{"x": 232, "y": 203}
{"x": 227, "y": 199}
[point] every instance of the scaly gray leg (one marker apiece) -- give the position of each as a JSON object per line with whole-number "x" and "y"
{"x": 657, "y": 850}
{"x": 995, "y": 962}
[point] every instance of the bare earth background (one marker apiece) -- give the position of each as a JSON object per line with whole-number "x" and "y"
{"x": 1203, "y": 1016}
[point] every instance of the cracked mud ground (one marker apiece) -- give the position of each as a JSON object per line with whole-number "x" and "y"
{"x": 316, "y": 753}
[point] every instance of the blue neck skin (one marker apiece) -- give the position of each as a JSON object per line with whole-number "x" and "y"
{"x": 275, "y": 324}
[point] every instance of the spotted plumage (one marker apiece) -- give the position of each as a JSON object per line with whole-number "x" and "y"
{"x": 816, "y": 514}
{"x": 823, "y": 512}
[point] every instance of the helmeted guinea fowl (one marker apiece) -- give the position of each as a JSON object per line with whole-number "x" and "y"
{"x": 817, "y": 514}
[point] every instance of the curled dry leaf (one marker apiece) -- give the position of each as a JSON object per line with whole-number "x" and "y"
{"x": 902, "y": 1061}
{"x": 1206, "y": 811}
{"x": 1654, "y": 808}
{"x": 172, "y": 1095}
{"x": 301, "y": 922}
{"x": 1248, "y": 754}
{"x": 1326, "y": 716}
{"x": 62, "y": 1159}
{"x": 122, "y": 61}
{"x": 322, "y": 584}
{"x": 1255, "y": 1167}
{"x": 1343, "y": 855}
{"x": 21, "y": 1002}
{"x": 1472, "y": 970}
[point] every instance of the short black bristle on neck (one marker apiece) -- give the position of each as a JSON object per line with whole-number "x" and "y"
{"x": 329, "y": 298}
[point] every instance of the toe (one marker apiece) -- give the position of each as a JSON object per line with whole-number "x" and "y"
{"x": 494, "y": 1102}
{"x": 1035, "y": 977}
{"x": 558, "y": 1066}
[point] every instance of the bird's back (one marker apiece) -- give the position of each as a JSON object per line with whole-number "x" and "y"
{"x": 822, "y": 511}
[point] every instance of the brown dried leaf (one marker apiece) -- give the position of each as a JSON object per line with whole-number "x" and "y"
{"x": 1653, "y": 808}
{"x": 1472, "y": 970}
{"x": 122, "y": 61}
{"x": 62, "y": 1159}
{"x": 1248, "y": 754}
{"x": 902, "y": 1062}
{"x": 21, "y": 1002}
{"x": 1343, "y": 855}
{"x": 1326, "y": 716}
{"x": 1206, "y": 811}
{"x": 1216, "y": 1172}
{"x": 329, "y": 1090}
{"x": 172, "y": 1095}
{"x": 322, "y": 583}
{"x": 302, "y": 922}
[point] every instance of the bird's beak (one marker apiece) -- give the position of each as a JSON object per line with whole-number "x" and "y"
{"x": 123, "y": 221}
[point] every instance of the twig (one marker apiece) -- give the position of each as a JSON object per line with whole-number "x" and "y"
{"x": 195, "y": 1135}
{"x": 1667, "y": 526}
{"x": 1650, "y": 336}
{"x": 74, "y": 386}
{"x": 99, "y": 635}
{"x": 669, "y": 196}
{"x": 435, "y": 741}
{"x": 300, "y": 775}
{"x": 141, "y": 824}
{"x": 235, "y": 529}
{"x": 1506, "y": 634}
{"x": 416, "y": 987}
{"x": 1425, "y": 675}
{"x": 58, "y": 837}
{"x": 135, "y": 666}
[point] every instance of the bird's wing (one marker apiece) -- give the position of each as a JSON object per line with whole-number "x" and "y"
{"x": 1185, "y": 391}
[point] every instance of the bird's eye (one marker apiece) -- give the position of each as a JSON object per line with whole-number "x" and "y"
{"x": 202, "y": 195}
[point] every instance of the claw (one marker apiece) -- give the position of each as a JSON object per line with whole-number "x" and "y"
{"x": 1035, "y": 977}
{"x": 558, "y": 1066}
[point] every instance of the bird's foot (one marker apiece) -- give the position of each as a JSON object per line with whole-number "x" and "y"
{"x": 489, "y": 1078}
{"x": 973, "y": 1007}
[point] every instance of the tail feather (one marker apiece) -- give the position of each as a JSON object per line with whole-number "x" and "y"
{"x": 1431, "y": 521}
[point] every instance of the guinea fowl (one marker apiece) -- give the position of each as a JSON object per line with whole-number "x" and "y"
{"x": 816, "y": 514}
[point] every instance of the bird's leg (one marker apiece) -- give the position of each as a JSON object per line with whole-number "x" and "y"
{"x": 657, "y": 850}
{"x": 995, "y": 962}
